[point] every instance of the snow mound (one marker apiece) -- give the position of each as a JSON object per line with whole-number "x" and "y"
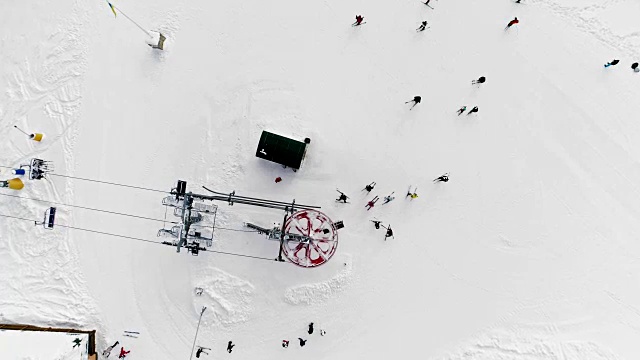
{"x": 229, "y": 297}
{"x": 315, "y": 293}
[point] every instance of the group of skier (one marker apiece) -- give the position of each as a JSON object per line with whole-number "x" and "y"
{"x": 301, "y": 341}
{"x": 123, "y": 353}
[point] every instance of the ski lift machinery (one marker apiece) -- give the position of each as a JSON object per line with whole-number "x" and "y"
{"x": 307, "y": 237}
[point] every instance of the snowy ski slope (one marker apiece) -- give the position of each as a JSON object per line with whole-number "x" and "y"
{"x": 529, "y": 252}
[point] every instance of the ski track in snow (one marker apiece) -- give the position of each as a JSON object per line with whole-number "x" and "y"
{"x": 602, "y": 19}
{"x": 43, "y": 94}
{"x": 316, "y": 293}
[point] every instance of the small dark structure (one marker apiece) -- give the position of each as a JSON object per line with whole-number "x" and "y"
{"x": 282, "y": 150}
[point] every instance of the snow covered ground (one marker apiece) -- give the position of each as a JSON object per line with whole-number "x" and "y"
{"x": 528, "y": 252}
{"x": 34, "y": 345}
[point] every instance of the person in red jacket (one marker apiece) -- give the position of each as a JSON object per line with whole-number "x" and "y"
{"x": 512, "y": 22}
{"x": 359, "y": 19}
{"x": 123, "y": 353}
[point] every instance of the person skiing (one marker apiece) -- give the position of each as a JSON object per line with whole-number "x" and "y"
{"x": 123, "y": 353}
{"x": 416, "y": 100}
{"x": 474, "y": 110}
{"x": 76, "y": 342}
{"x": 359, "y": 19}
{"x": 413, "y": 194}
{"x": 322, "y": 332}
{"x": 376, "y": 223}
{"x": 342, "y": 197}
{"x": 635, "y": 68}
{"x": 200, "y": 351}
{"x": 388, "y": 198}
{"x": 461, "y": 110}
{"x": 427, "y": 3}
{"x": 285, "y": 343}
{"x": 107, "y": 351}
{"x": 389, "y": 233}
{"x": 278, "y": 179}
{"x": 369, "y": 187}
{"x": 480, "y": 80}
{"x": 422, "y": 26}
{"x": 371, "y": 203}
{"x": 613, "y": 62}
{"x": 512, "y": 22}
{"x": 443, "y": 178}
{"x": 310, "y": 331}
{"x": 302, "y": 342}
{"x": 230, "y": 346}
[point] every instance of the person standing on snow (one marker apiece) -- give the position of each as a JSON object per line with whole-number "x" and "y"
{"x": 376, "y": 223}
{"x": 200, "y": 351}
{"x": 107, "y": 351}
{"x": 302, "y": 342}
{"x": 474, "y": 110}
{"x": 443, "y": 178}
{"x": 512, "y": 22}
{"x": 322, "y": 332}
{"x": 230, "y": 346}
{"x": 461, "y": 110}
{"x": 422, "y": 26}
{"x": 635, "y": 68}
{"x": 480, "y": 80}
{"x": 342, "y": 197}
{"x": 371, "y": 203}
{"x": 123, "y": 353}
{"x": 389, "y": 233}
{"x": 310, "y": 331}
{"x": 285, "y": 343}
{"x": 416, "y": 100}
{"x": 611, "y": 63}
{"x": 359, "y": 19}
{"x": 370, "y": 187}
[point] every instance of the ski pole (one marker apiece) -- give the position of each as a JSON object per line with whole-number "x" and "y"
{"x": 15, "y": 126}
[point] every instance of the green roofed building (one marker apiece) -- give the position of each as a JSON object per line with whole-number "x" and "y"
{"x": 282, "y": 150}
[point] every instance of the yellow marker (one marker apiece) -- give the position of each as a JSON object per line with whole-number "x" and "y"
{"x": 15, "y": 184}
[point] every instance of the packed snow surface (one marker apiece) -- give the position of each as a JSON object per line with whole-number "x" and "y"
{"x": 530, "y": 251}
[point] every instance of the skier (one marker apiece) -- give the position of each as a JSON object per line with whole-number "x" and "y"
{"x": 480, "y": 80}
{"x": 310, "y": 331}
{"x": 474, "y": 110}
{"x": 427, "y": 3}
{"x": 123, "y": 353}
{"x": 376, "y": 223}
{"x": 107, "y": 351}
{"x": 613, "y": 62}
{"x": 388, "y": 198}
{"x": 302, "y": 342}
{"x": 359, "y": 19}
{"x": 200, "y": 351}
{"x": 370, "y": 187}
{"x": 443, "y": 178}
{"x": 416, "y": 100}
{"x": 512, "y": 22}
{"x": 322, "y": 332}
{"x": 371, "y": 203}
{"x": 413, "y": 194}
{"x": 461, "y": 110}
{"x": 285, "y": 343}
{"x": 230, "y": 346}
{"x": 76, "y": 342}
{"x": 342, "y": 197}
{"x": 635, "y": 68}
{"x": 422, "y": 26}
{"x": 278, "y": 179}
{"x": 389, "y": 233}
